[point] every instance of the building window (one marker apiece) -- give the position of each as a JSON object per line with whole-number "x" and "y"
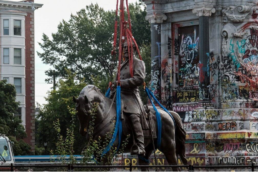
{"x": 17, "y": 56}
{"x": 7, "y": 79}
{"x": 18, "y": 85}
{"x": 17, "y": 27}
{"x": 6, "y": 56}
{"x": 18, "y": 113}
{"x": 6, "y": 27}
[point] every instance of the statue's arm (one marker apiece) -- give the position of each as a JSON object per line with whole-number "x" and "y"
{"x": 137, "y": 79}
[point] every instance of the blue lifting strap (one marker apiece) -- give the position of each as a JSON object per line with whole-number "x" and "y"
{"x": 162, "y": 107}
{"x": 108, "y": 92}
{"x": 118, "y": 126}
{"x": 158, "y": 117}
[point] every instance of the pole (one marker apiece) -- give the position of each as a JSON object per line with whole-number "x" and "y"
{"x": 191, "y": 168}
{"x": 11, "y": 166}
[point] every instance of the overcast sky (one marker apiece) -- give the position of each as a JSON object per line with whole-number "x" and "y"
{"x": 47, "y": 19}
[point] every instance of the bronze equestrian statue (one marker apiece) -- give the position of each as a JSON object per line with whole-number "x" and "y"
{"x": 172, "y": 141}
{"x": 133, "y": 115}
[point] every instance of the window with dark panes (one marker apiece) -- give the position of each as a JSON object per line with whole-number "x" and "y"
{"x": 17, "y": 56}
{"x": 18, "y": 113}
{"x": 17, "y": 27}
{"x": 6, "y": 56}
{"x": 6, "y": 27}
{"x": 18, "y": 85}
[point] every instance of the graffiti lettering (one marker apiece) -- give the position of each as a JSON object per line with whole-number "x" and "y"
{"x": 185, "y": 108}
{"x": 186, "y": 96}
{"x": 195, "y": 149}
{"x": 196, "y": 161}
{"x": 231, "y": 146}
{"x": 188, "y": 57}
{"x": 252, "y": 147}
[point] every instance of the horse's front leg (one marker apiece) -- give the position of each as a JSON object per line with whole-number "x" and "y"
{"x": 144, "y": 160}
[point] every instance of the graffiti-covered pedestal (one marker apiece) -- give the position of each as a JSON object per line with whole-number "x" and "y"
{"x": 205, "y": 67}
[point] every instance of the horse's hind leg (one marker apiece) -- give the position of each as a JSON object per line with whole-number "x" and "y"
{"x": 170, "y": 154}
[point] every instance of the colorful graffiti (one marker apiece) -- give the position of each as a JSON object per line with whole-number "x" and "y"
{"x": 220, "y": 114}
{"x": 226, "y": 131}
{"x": 188, "y": 56}
{"x": 186, "y": 107}
{"x": 166, "y": 73}
{"x": 155, "y": 73}
{"x": 239, "y": 65}
{"x": 186, "y": 96}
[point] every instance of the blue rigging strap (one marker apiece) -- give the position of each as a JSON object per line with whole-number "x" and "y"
{"x": 159, "y": 123}
{"x": 108, "y": 92}
{"x": 118, "y": 126}
{"x": 158, "y": 117}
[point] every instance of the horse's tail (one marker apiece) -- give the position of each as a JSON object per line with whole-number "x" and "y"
{"x": 180, "y": 137}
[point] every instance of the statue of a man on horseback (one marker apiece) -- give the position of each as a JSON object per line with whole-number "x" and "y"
{"x": 130, "y": 115}
{"x": 131, "y": 76}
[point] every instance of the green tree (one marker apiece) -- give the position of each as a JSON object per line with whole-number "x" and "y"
{"x": 84, "y": 43}
{"x": 83, "y": 46}
{"x": 140, "y": 26}
{"x": 9, "y": 124}
{"x": 60, "y": 103}
{"x": 146, "y": 57}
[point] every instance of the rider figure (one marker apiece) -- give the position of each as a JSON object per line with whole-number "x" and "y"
{"x": 133, "y": 106}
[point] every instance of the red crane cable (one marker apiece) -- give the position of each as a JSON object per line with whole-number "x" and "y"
{"x": 128, "y": 45}
{"x": 115, "y": 31}
{"x": 131, "y": 57}
{"x": 128, "y": 15}
{"x": 120, "y": 40}
{"x": 125, "y": 33}
{"x": 130, "y": 52}
{"x": 136, "y": 45}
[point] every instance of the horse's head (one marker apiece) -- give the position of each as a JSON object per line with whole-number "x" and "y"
{"x": 82, "y": 105}
{"x": 88, "y": 95}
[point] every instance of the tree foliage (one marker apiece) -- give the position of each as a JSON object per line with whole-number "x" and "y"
{"x": 146, "y": 57}
{"x": 83, "y": 47}
{"x": 60, "y": 103}
{"x": 84, "y": 43}
{"x": 9, "y": 124}
{"x": 140, "y": 26}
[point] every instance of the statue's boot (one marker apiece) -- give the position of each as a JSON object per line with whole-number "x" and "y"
{"x": 139, "y": 138}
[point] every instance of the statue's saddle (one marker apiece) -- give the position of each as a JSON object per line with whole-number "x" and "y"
{"x": 148, "y": 122}
{"x": 150, "y": 130}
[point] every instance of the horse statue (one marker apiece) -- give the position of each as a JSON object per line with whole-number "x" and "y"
{"x": 172, "y": 141}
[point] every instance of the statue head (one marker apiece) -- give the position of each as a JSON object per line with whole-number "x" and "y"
{"x": 126, "y": 49}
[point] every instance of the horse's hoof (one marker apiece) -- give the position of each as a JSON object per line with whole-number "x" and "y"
{"x": 138, "y": 151}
